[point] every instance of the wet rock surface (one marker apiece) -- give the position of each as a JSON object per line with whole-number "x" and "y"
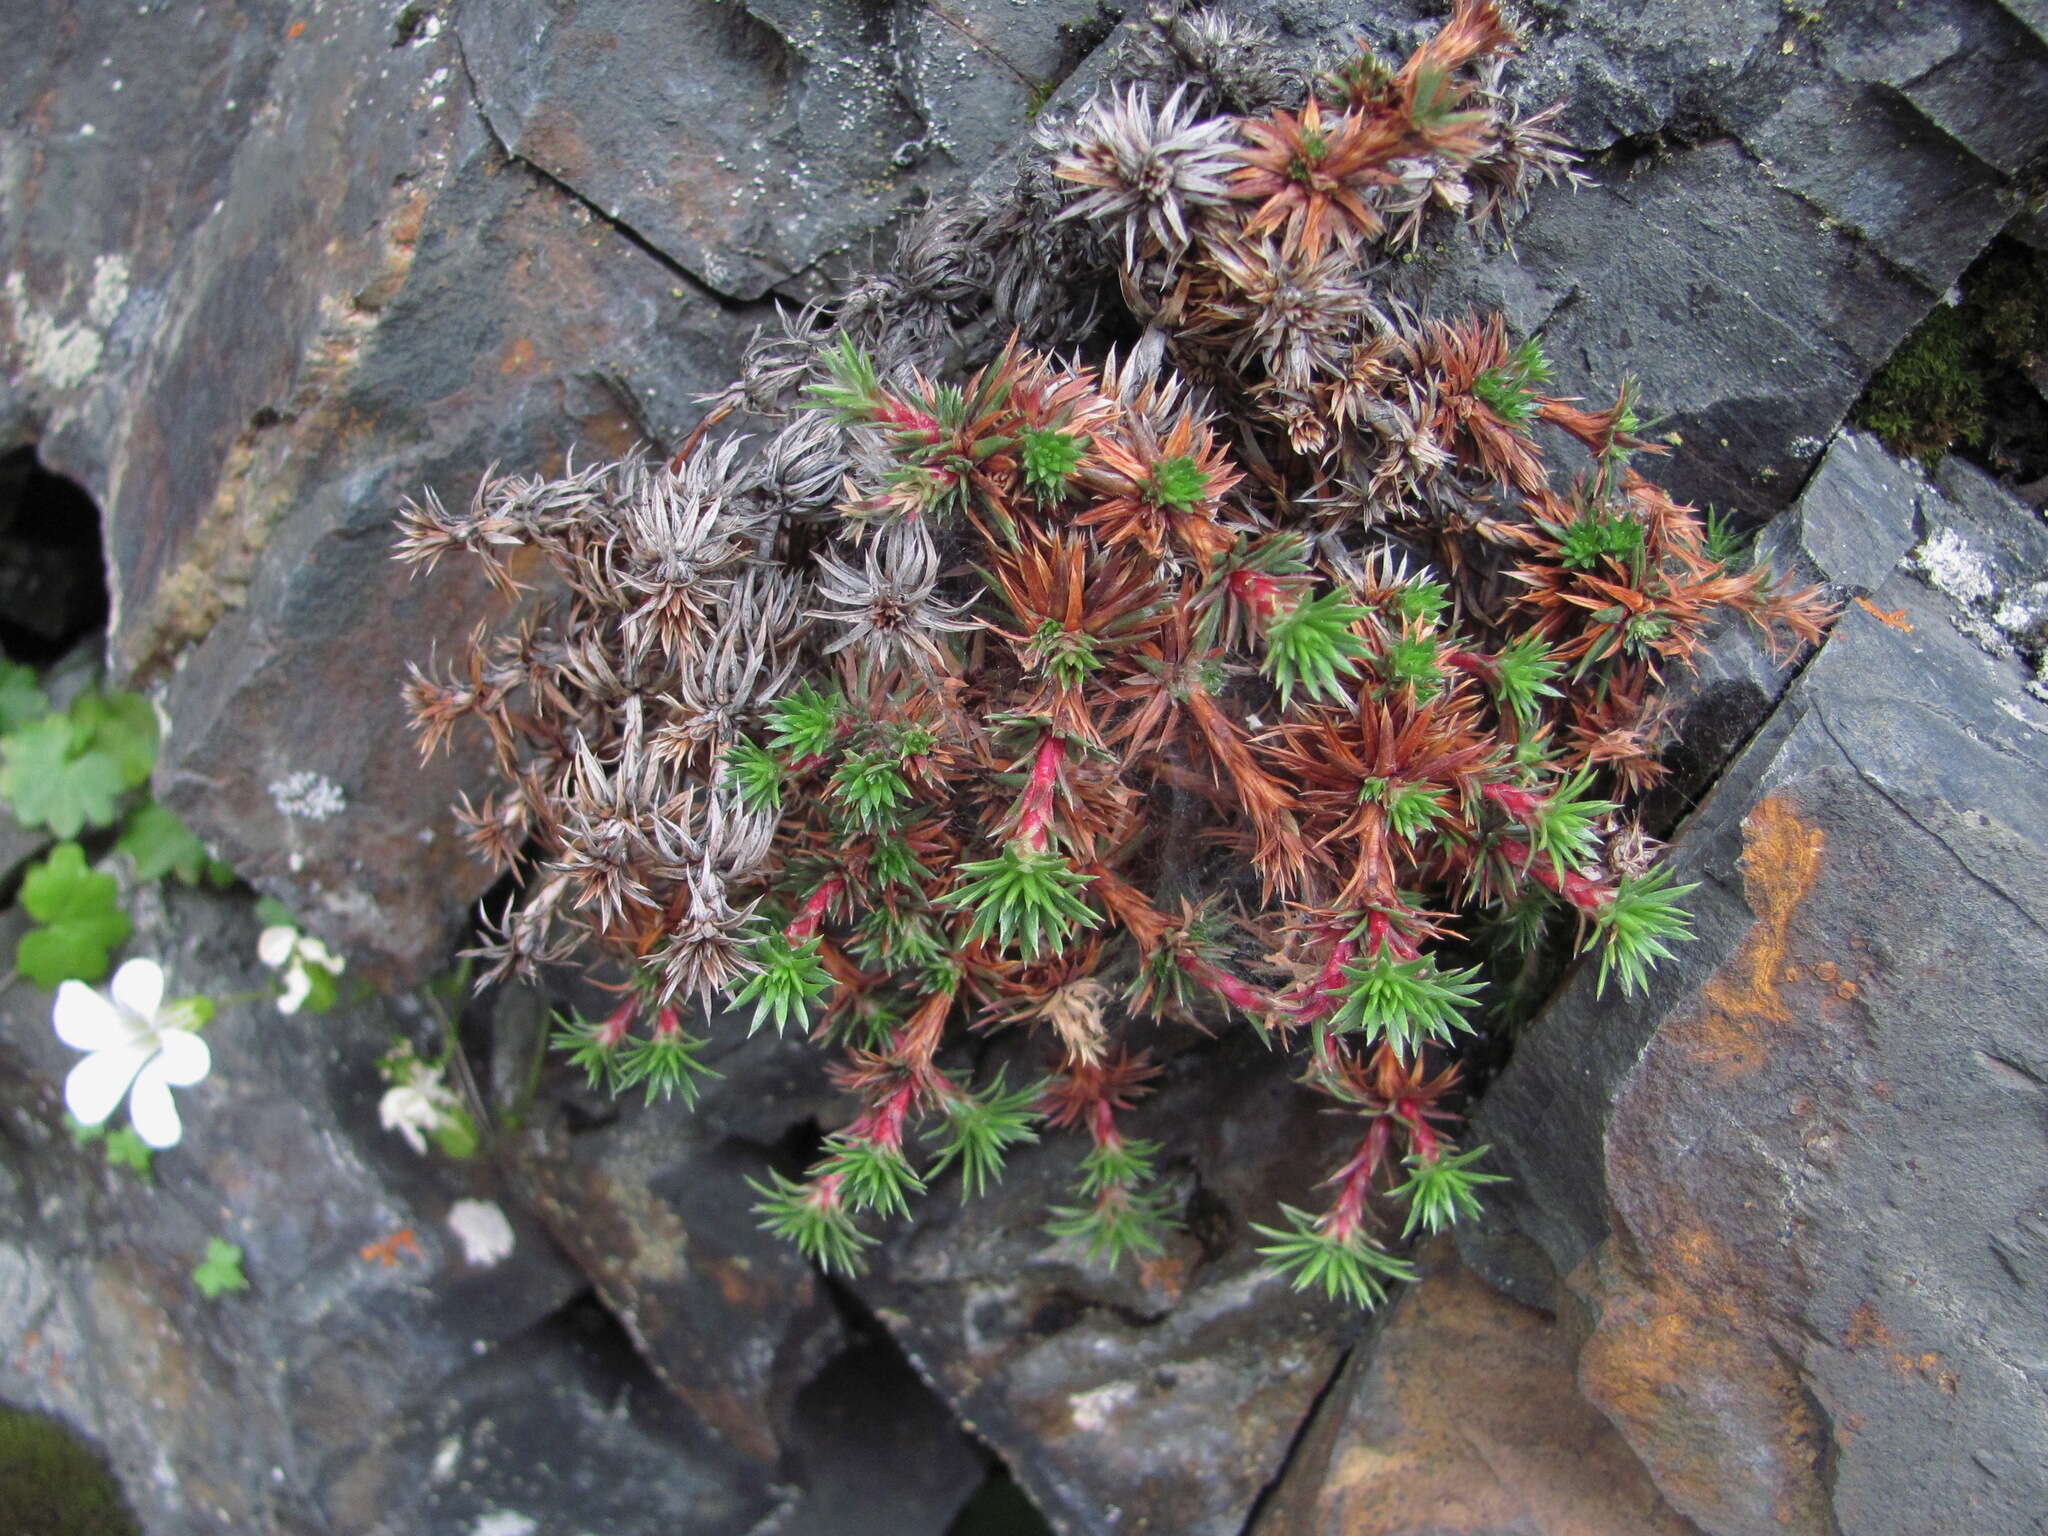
{"x": 1798, "y": 1187}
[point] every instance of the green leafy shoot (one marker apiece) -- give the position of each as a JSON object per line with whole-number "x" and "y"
{"x": 1177, "y": 483}
{"x": 590, "y": 1048}
{"x": 1420, "y": 602}
{"x": 1593, "y": 537}
{"x": 1440, "y": 1190}
{"x": 1404, "y": 1002}
{"x": 872, "y": 789}
{"x": 1562, "y": 824}
{"x": 891, "y": 863}
{"x": 977, "y": 1130}
{"x": 873, "y": 1177}
{"x": 1067, "y": 654}
{"x": 78, "y": 916}
{"x": 853, "y": 392}
{"x": 811, "y": 1217}
{"x": 1348, "y": 1267}
{"x": 1311, "y": 646}
{"x": 755, "y": 774}
{"x": 1050, "y": 459}
{"x": 21, "y": 696}
{"x": 1511, "y": 390}
{"x": 220, "y": 1271}
{"x": 1024, "y": 899}
{"x": 1726, "y": 545}
{"x": 1163, "y": 984}
{"x": 804, "y": 722}
{"x": 1637, "y": 927}
{"x": 1413, "y": 662}
{"x": 158, "y": 844}
{"x": 1412, "y": 809}
{"x": 896, "y": 937}
{"x": 665, "y": 1065}
{"x": 790, "y": 977}
{"x": 1522, "y": 675}
{"x": 1120, "y": 1220}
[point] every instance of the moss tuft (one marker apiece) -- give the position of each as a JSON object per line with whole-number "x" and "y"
{"x": 53, "y": 1484}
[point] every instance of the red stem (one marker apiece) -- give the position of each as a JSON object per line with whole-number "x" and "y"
{"x": 807, "y": 921}
{"x": 1240, "y": 995}
{"x": 1034, "y": 812}
{"x": 1354, "y": 1181}
{"x": 1586, "y": 894}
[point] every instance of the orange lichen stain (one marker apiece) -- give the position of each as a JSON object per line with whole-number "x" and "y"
{"x": 296, "y": 29}
{"x": 1896, "y": 619}
{"x": 1781, "y": 859}
{"x": 1867, "y": 1329}
{"x": 518, "y": 357}
{"x": 385, "y": 1250}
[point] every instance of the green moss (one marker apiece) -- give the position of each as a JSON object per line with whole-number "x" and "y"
{"x": 1960, "y": 380}
{"x": 52, "y": 1484}
{"x": 1930, "y": 396}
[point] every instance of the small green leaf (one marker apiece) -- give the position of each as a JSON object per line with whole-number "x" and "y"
{"x": 79, "y": 920}
{"x": 119, "y": 726}
{"x": 127, "y": 1150}
{"x": 159, "y": 844}
{"x": 220, "y": 1271}
{"x": 21, "y": 697}
{"x": 49, "y": 785}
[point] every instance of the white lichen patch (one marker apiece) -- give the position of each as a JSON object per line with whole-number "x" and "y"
{"x": 504, "y": 1522}
{"x": 62, "y": 354}
{"x": 1093, "y": 1411}
{"x": 1952, "y": 567}
{"x": 307, "y": 796}
{"x": 109, "y": 289}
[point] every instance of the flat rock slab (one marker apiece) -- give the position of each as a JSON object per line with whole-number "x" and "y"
{"x": 1162, "y": 1397}
{"x": 1800, "y": 1186}
{"x": 1461, "y": 1417}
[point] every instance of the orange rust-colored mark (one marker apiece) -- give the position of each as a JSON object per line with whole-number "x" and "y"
{"x": 385, "y": 1250}
{"x": 1781, "y": 858}
{"x": 296, "y": 29}
{"x": 1866, "y": 1328}
{"x": 1896, "y": 619}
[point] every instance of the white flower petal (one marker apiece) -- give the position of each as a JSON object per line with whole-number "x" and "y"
{"x": 151, "y": 1110}
{"x": 313, "y": 952}
{"x": 485, "y": 1233}
{"x": 297, "y": 987}
{"x": 274, "y": 945}
{"x": 139, "y": 987}
{"x": 185, "y": 1059}
{"x": 96, "y": 1084}
{"x": 86, "y": 1021}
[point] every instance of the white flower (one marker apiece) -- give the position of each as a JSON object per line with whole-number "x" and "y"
{"x": 274, "y": 945}
{"x": 485, "y": 1233}
{"x": 283, "y": 948}
{"x": 135, "y": 1049}
{"x": 417, "y": 1106}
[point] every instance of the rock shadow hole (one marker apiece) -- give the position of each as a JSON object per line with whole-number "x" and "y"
{"x": 53, "y": 573}
{"x": 52, "y": 1483}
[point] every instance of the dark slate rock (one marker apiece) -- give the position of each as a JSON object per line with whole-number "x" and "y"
{"x": 561, "y": 1429}
{"x": 1797, "y": 1187}
{"x": 743, "y": 141}
{"x": 275, "y": 1408}
{"x": 1159, "y": 1398}
{"x": 1460, "y": 1417}
{"x": 654, "y": 1205}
